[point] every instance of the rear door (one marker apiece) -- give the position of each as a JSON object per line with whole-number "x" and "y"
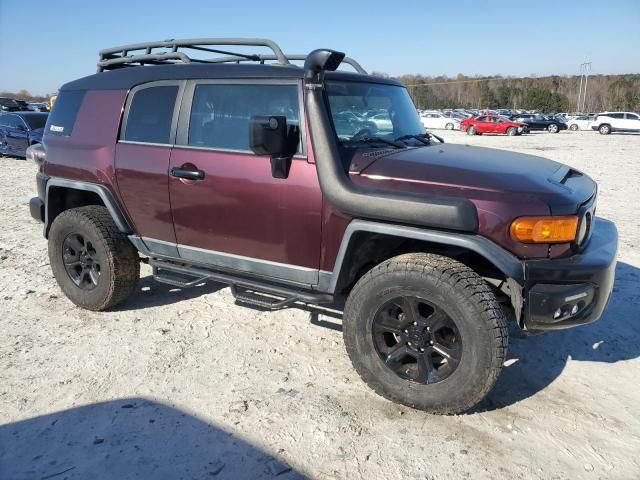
{"x": 142, "y": 161}
{"x": 482, "y": 124}
{"x": 237, "y": 216}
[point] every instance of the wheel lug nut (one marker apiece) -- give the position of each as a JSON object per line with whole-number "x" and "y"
{"x": 428, "y": 329}
{"x": 415, "y": 323}
{"x": 431, "y": 342}
{"x": 409, "y": 343}
{"x": 422, "y": 349}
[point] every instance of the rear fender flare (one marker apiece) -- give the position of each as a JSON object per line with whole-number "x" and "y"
{"x": 102, "y": 191}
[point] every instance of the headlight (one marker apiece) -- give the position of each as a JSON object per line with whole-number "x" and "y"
{"x": 36, "y": 153}
{"x": 559, "y": 229}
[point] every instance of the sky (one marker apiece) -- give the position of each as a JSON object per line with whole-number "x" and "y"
{"x": 44, "y": 45}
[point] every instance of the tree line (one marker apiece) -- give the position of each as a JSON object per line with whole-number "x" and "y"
{"x": 546, "y": 94}
{"x": 26, "y": 96}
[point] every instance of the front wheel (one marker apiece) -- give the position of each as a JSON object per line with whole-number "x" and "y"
{"x": 95, "y": 264}
{"x": 574, "y": 127}
{"x": 553, "y": 128}
{"x": 426, "y": 331}
{"x": 511, "y": 131}
{"x": 471, "y": 130}
{"x": 449, "y": 126}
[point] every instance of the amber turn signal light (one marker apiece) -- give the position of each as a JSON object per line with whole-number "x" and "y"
{"x": 545, "y": 229}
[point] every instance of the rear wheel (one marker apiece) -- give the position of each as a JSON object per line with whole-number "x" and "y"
{"x": 604, "y": 129}
{"x": 511, "y": 131}
{"x": 471, "y": 130}
{"x": 426, "y": 331}
{"x": 95, "y": 264}
{"x": 553, "y": 128}
{"x": 574, "y": 127}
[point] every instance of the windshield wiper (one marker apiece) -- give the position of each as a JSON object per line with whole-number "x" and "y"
{"x": 393, "y": 143}
{"x": 421, "y": 137}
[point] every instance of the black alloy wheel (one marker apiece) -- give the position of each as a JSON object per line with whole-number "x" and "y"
{"x": 81, "y": 261}
{"x": 417, "y": 340}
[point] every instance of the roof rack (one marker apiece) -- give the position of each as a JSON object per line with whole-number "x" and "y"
{"x": 139, "y": 54}
{"x": 292, "y": 57}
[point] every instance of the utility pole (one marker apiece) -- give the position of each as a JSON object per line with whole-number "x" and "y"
{"x": 585, "y": 70}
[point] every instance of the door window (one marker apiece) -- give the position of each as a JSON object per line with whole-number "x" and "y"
{"x": 220, "y": 113}
{"x": 150, "y": 115}
{"x": 11, "y": 121}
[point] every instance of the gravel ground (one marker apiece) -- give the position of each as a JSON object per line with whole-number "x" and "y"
{"x": 186, "y": 384}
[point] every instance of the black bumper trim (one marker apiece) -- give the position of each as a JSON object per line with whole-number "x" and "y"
{"x": 36, "y": 207}
{"x": 584, "y": 280}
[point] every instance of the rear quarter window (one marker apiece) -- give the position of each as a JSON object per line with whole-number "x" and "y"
{"x": 150, "y": 115}
{"x": 63, "y": 115}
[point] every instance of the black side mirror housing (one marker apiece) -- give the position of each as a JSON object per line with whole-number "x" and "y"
{"x": 270, "y": 135}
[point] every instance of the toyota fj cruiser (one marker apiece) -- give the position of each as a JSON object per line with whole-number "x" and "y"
{"x": 248, "y": 170}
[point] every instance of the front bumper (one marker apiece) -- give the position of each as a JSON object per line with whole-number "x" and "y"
{"x": 566, "y": 292}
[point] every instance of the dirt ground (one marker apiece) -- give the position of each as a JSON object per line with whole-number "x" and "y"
{"x": 186, "y": 384}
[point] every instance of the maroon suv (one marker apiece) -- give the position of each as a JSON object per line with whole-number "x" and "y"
{"x": 274, "y": 179}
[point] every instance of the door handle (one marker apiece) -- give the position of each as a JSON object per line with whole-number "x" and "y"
{"x": 188, "y": 174}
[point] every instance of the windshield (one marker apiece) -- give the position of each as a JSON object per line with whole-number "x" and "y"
{"x": 370, "y": 110}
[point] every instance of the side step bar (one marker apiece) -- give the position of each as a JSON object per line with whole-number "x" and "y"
{"x": 253, "y": 292}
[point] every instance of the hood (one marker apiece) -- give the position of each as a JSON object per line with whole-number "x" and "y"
{"x": 476, "y": 170}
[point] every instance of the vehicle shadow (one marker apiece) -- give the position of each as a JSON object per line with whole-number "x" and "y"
{"x": 542, "y": 358}
{"x": 130, "y": 438}
{"x": 151, "y": 293}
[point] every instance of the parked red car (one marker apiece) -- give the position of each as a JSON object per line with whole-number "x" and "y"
{"x": 492, "y": 124}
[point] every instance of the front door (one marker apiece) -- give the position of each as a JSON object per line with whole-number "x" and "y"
{"x": 230, "y": 212}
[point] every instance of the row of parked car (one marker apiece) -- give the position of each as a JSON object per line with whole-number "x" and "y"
{"x": 508, "y": 122}
{"x": 14, "y": 105}
{"x": 22, "y": 124}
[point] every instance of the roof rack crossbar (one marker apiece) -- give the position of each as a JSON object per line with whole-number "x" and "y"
{"x": 116, "y": 57}
{"x": 265, "y": 58}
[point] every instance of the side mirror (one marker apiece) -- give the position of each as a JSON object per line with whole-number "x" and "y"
{"x": 270, "y": 135}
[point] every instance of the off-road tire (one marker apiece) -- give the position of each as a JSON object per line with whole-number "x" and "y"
{"x": 119, "y": 261}
{"x": 464, "y": 296}
{"x": 604, "y": 129}
{"x": 574, "y": 127}
{"x": 511, "y": 131}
